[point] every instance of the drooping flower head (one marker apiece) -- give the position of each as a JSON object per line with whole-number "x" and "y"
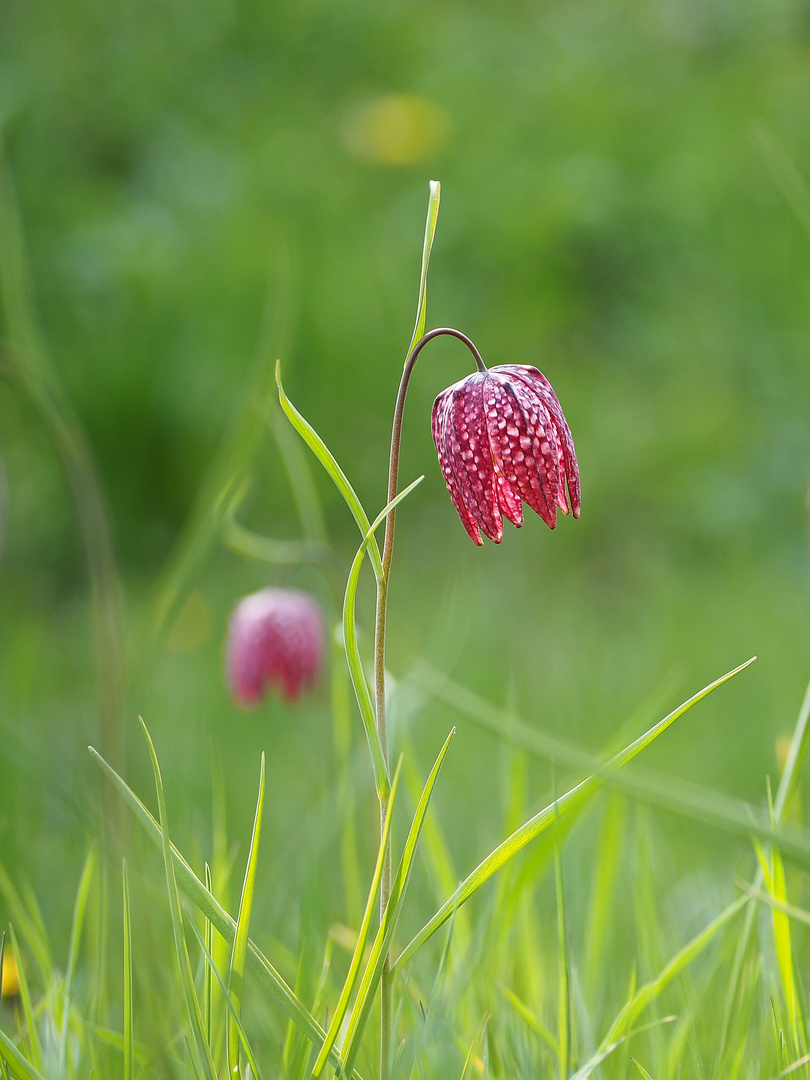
{"x": 502, "y": 440}
{"x": 275, "y": 642}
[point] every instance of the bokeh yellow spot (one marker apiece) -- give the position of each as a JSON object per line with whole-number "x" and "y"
{"x": 396, "y": 129}
{"x": 783, "y": 744}
{"x": 11, "y": 976}
{"x": 193, "y": 625}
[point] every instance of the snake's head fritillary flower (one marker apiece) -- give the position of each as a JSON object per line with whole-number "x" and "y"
{"x": 502, "y": 440}
{"x": 275, "y": 642}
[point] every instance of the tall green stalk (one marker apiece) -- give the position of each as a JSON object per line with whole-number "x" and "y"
{"x": 382, "y": 603}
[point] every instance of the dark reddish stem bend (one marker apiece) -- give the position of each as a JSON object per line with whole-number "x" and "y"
{"x": 379, "y": 645}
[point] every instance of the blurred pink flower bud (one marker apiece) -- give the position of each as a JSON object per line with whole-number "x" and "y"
{"x": 502, "y": 440}
{"x": 275, "y": 642}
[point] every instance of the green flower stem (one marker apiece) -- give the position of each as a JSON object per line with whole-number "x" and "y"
{"x": 379, "y": 651}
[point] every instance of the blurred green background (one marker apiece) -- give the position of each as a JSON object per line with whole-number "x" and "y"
{"x": 206, "y": 186}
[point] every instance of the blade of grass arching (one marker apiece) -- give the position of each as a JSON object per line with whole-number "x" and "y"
{"x": 211, "y": 967}
{"x": 336, "y": 474}
{"x": 546, "y": 817}
{"x": 79, "y": 909}
{"x": 563, "y": 993}
{"x": 608, "y": 851}
{"x": 302, "y": 484}
{"x": 236, "y": 973}
{"x": 669, "y": 793}
{"x": 787, "y": 786}
{"x": 275, "y": 552}
{"x": 641, "y": 1068}
{"x": 36, "y": 372}
{"x": 129, "y": 1041}
{"x": 430, "y": 231}
{"x": 362, "y": 937}
{"x": 21, "y": 1068}
{"x": 208, "y": 985}
{"x": 213, "y": 910}
{"x": 29, "y": 921}
{"x": 534, "y": 1025}
{"x": 32, "y": 1032}
{"x": 792, "y": 1067}
{"x": 652, "y": 990}
{"x": 356, "y": 673}
{"x": 382, "y": 942}
{"x": 201, "y": 1052}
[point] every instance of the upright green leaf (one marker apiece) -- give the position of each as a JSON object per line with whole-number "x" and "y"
{"x": 430, "y": 231}
{"x": 359, "y": 681}
{"x": 201, "y": 1052}
{"x": 129, "y": 1043}
{"x": 388, "y": 923}
{"x": 79, "y": 909}
{"x": 362, "y": 937}
{"x": 337, "y": 475}
{"x": 240, "y": 940}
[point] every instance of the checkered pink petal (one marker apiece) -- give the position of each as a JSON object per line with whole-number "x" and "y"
{"x": 502, "y": 440}
{"x": 275, "y": 643}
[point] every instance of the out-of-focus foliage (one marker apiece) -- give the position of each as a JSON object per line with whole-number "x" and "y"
{"x": 623, "y": 205}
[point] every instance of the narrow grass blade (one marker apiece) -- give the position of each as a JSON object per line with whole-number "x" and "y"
{"x": 362, "y": 937}
{"x": 236, "y": 974}
{"x": 773, "y": 874}
{"x": 275, "y": 552}
{"x": 225, "y": 484}
{"x": 35, "y": 1046}
{"x": 338, "y": 477}
{"x": 651, "y": 990}
{"x": 302, "y": 483}
{"x": 22, "y": 1069}
{"x": 641, "y": 1069}
{"x": 41, "y": 380}
{"x": 564, "y": 992}
{"x": 534, "y": 1025}
{"x": 208, "y": 986}
{"x": 787, "y": 785}
{"x": 793, "y": 1067}
{"x": 546, "y": 817}
{"x": 201, "y": 1050}
{"x": 382, "y": 942}
{"x": 27, "y": 918}
{"x": 795, "y": 759}
{"x": 604, "y": 888}
{"x": 213, "y": 910}
{"x": 79, "y": 909}
{"x": 670, "y": 793}
{"x": 790, "y": 182}
{"x": 430, "y": 231}
{"x": 359, "y": 682}
{"x": 211, "y": 967}
{"x": 129, "y": 1041}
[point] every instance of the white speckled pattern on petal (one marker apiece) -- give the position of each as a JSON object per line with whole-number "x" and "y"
{"x": 502, "y": 440}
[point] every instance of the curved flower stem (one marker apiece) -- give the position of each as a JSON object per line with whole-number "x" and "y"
{"x": 379, "y": 650}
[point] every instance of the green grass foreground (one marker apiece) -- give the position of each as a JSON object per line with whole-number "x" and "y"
{"x": 513, "y": 985}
